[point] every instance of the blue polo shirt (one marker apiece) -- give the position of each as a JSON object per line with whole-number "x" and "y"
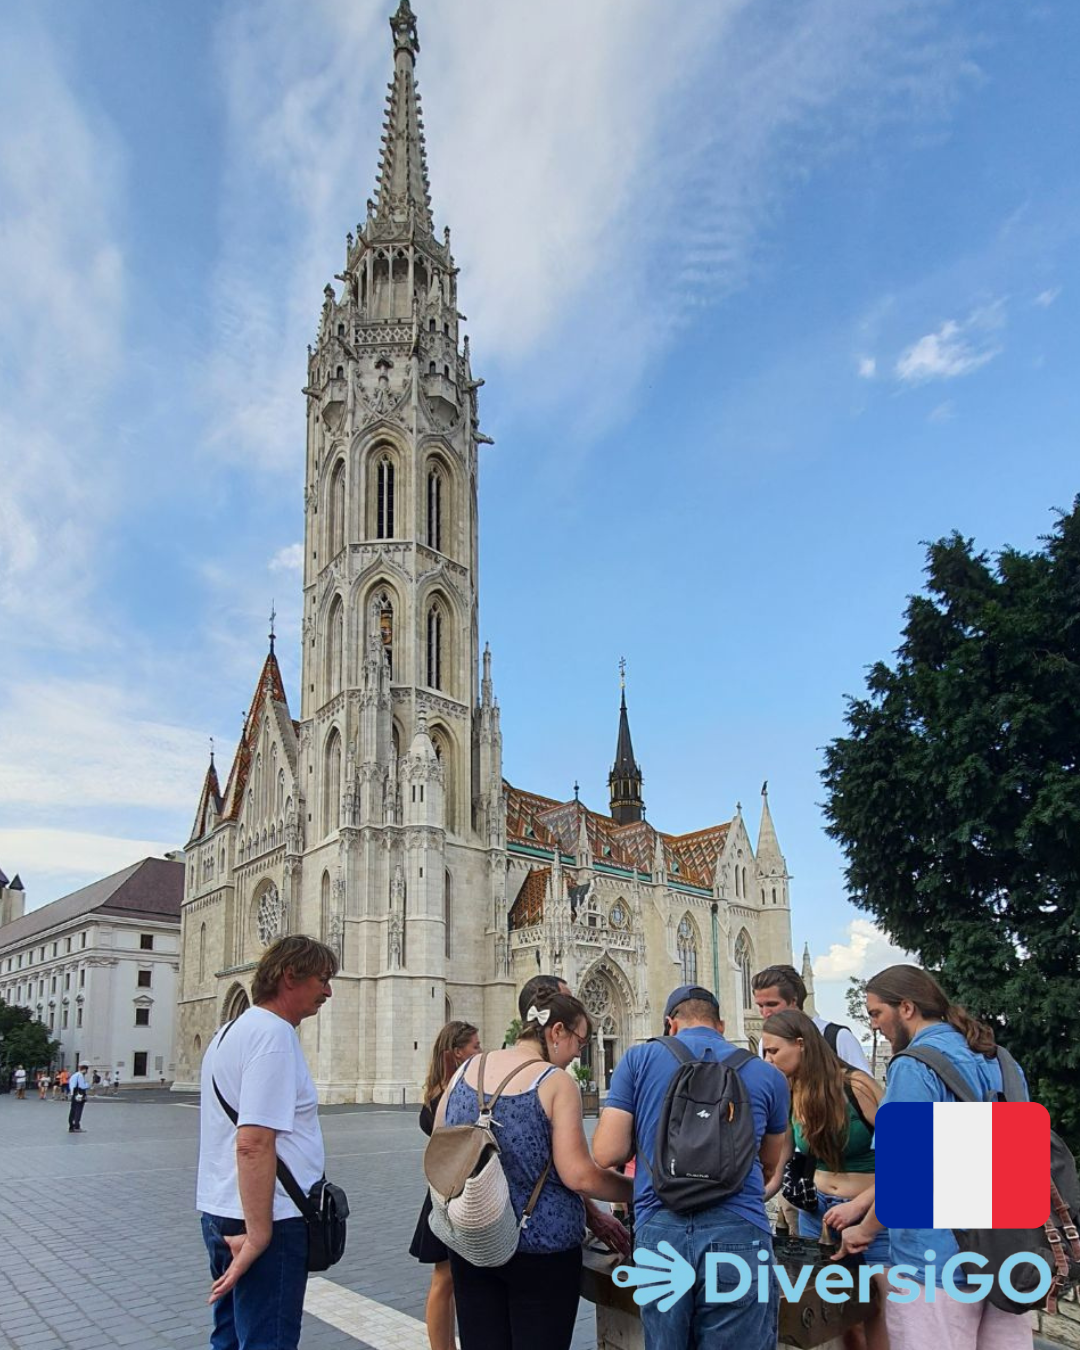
{"x": 639, "y": 1085}
{"x": 910, "y": 1081}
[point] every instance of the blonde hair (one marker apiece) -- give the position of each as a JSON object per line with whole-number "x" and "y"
{"x": 453, "y": 1036}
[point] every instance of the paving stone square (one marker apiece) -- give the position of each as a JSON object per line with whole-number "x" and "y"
{"x": 100, "y": 1243}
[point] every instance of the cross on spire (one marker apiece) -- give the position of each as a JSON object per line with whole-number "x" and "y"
{"x": 273, "y": 617}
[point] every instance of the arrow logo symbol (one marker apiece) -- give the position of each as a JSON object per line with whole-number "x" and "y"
{"x": 662, "y": 1274}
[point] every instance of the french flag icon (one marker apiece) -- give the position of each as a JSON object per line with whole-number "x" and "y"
{"x": 962, "y": 1164}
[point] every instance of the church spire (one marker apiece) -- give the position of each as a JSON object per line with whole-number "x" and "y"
{"x": 402, "y": 188}
{"x": 769, "y": 857}
{"x": 625, "y": 779}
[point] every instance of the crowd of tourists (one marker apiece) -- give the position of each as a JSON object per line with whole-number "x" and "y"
{"x": 789, "y": 1128}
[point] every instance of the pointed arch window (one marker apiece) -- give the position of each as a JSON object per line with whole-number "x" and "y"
{"x": 435, "y": 494}
{"x": 324, "y": 907}
{"x": 335, "y": 646}
{"x": 331, "y": 797}
{"x": 382, "y": 623}
{"x": 336, "y": 513}
{"x": 202, "y": 953}
{"x": 434, "y": 647}
{"x": 384, "y": 499}
{"x": 447, "y": 910}
{"x": 744, "y": 959}
{"x": 688, "y": 950}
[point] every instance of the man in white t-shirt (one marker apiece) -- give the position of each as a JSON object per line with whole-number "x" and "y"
{"x": 20, "y": 1083}
{"x": 254, "y": 1233}
{"x": 779, "y": 987}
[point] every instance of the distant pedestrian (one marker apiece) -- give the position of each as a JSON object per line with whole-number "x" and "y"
{"x": 96, "y": 1082}
{"x": 43, "y": 1086}
{"x": 56, "y": 1086}
{"x": 65, "y": 1078}
{"x": 79, "y": 1086}
{"x": 116, "y": 1082}
{"x": 20, "y": 1083}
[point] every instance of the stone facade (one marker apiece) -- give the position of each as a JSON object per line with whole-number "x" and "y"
{"x": 380, "y": 820}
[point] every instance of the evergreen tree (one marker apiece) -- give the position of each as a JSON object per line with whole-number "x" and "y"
{"x": 855, "y": 997}
{"x": 955, "y": 796}
{"x": 25, "y": 1040}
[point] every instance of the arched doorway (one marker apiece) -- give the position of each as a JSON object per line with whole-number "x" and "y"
{"x": 236, "y": 1002}
{"x": 606, "y": 1004}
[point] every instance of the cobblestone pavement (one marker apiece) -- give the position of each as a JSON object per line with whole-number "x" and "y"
{"x": 100, "y": 1243}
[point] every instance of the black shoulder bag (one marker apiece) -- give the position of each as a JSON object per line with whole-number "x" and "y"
{"x": 325, "y": 1209}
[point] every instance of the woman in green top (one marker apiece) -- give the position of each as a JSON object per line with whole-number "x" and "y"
{"x": 832, "y": 1119}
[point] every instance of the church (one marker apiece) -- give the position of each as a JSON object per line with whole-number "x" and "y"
{"x": 380, "y": 820}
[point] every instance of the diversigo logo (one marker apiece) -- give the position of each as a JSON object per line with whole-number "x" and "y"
{"x": 953, "y": 1165}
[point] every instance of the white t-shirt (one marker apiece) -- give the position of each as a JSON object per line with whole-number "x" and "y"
{"x": 847, "y": 1047}
{"x": 261, "y": 1071}
{"x": 20, "y": 1078}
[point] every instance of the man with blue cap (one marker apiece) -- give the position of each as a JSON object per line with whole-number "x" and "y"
{"x": 735, "y": 1224}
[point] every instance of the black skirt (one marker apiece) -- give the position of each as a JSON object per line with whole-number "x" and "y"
{"x": 425, "y": 1246}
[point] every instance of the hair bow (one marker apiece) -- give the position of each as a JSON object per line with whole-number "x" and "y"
{"x": 535, "y": 1015}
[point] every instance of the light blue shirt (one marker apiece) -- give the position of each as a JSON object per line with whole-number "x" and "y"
{"x": 78, "y": 1080}
{"x": 910, "y": 1081}
{"x": 639, "y": 1085}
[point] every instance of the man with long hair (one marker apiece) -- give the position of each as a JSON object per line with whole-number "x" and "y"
{"x": 254, "y": 1233}
{"x": 910, "y": 1008}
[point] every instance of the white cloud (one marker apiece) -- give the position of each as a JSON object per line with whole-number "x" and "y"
{"x": 288, "y": 559}
{"x": 607, "y": 171}
{"x": 867, "y": 367}
{"x": 866, "y": 951}
{"x": 1046, "y": 298}
{"x": 956, "y": 348}
{"x": 69, "y": 745}
{"x": 944, "y": 412}
{"x": 62, "y": 279}
{"x": 78, "y": 856}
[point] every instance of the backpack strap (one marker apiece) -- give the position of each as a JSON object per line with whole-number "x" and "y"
{"x": 849, "y": 1092}
{"x": 288, "y": 1182}
{"x": 682, "y": 1053}
{"x": 832, "y": 1034}
{"x": 1012, "y": 1084}
{"x": 943, "y": 1066}
{"x": 487, "y": 1105}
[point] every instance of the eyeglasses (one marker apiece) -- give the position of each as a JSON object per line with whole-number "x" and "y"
{"x": 582, "y": 1041}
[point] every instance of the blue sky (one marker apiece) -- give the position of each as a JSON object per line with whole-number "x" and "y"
{"x": 764, "y": 295}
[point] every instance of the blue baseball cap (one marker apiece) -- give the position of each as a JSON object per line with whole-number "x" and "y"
{"x": 686, "y": 992}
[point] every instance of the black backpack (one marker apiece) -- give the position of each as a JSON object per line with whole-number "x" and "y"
{"x": 705, "y": 1141}
{"x": 832, "y": 1034}
{"x": 1057, "y": 1241}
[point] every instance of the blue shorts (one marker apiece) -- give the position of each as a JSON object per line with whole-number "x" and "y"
{"x": 877, "y": 1254}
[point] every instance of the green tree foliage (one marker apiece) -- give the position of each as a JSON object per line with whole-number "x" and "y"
{"x": 26, "y": 1041}
{"x": 513, "y": 1031}
{"x": 855, "y": 997}
{"x": 955, "y": 796}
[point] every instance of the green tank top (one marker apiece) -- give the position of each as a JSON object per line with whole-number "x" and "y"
{"x": 858, "y": 1153}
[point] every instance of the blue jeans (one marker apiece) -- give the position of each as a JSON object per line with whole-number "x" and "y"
{"x": 877, "y": 1254}
{"x": 263, "y": 1309}
{"x": 742, "y": 1325}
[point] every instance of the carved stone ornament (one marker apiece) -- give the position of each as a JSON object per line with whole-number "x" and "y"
{"x": 596, "y": 996}
{"x": 270, "y": 916}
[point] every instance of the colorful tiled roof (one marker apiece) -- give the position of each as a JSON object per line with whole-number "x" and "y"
{"x": 528, "y": 908}
{"x": 532, "y": 819}
{"x": 270, "y": 686}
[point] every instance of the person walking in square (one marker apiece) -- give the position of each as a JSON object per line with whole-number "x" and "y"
{"x": 737, "y": 1224}
{"x": 20, "y": 1083}
{"x": 455, "y": 1043}
{"x": 79, "y": 1088}
{"x": 255, "y": 1235}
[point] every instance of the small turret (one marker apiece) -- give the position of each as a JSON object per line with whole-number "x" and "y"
{"x": 625, "y": 779}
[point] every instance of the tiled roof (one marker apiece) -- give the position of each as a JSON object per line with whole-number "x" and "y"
{"x": 151, "y": 889}
{"x": 270, "y": 683}
{"x": 540, "y": 820}
{"x": 209, "y": 800}
{"x": 528, "y": 908}
{"x": 532, "y": 819}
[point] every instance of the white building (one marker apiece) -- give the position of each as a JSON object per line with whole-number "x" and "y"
{"x": 99, "y": 968}
{"x": 380, "y": 821}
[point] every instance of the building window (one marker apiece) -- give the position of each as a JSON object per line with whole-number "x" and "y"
{"x": 146, "y": 942}
{"x": 82, "y": 939}
{"x": 67, "y": 980}
{"x": 78, "y": 1017}
{"x": 447, "y": 911}
{"x": 336, "y": 513}
{"x": 54, "y": 950}
{"x": 144, "y": 979}
{"x": 434, "y": 648}
{"x": 139, "y": 1066}
{"x": 687, "y": 944}
{"x": 202, "y": 953}
{"x": 64, "y": 1021}
{"x": 434, "y": 510}
{"x": 142, "y": 1017}
{"x": 82, "y": 979}
{"x": 384, "y": 495}
{"x": 67, "y": 948}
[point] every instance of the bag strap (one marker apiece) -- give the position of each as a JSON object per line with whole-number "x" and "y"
{"x": 487, "y": 1104}
{"x": 943, "y": 1066}
{"x": 849, "y": 1092}
{"x": 832, "y": 1034}
{"x": 288, "y": 1181}
{"x": 1012, "y": 1084}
